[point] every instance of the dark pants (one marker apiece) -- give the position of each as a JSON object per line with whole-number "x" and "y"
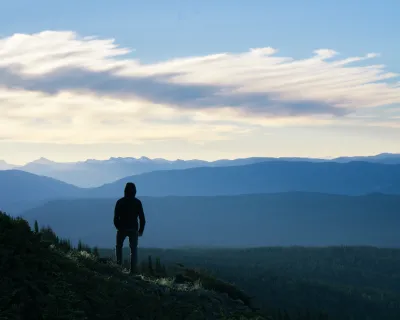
{"x": 133, "y": 243}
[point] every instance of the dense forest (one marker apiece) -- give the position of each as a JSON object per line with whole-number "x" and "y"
{"x": 348, "y": 283}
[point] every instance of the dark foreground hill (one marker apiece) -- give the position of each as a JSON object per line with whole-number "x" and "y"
{"x": 41, "y": 280}
{"x": 307, "y": 219}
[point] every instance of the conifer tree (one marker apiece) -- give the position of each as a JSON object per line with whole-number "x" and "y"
{"x": 80, "y": 245}
{"x": 143, "y": 266}
{"x": 96, "y": 252}
{"x": 158, "y": 266}
{"x": 150, "y": 265}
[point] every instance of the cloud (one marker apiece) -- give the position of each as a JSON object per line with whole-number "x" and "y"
{"x": 64, "y": 87}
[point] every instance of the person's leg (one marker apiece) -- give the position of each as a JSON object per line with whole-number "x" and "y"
{"x": 133, "y": 244}
{"x": 119, "y": 244}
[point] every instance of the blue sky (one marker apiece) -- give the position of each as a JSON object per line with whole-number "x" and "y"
{"x": 166, "y": 29}
{"x": 188, "y": 113}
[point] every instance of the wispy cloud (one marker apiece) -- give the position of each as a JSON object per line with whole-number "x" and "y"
{"x": 63, "y": 87}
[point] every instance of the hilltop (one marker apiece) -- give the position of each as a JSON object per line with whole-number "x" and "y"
{"x": 43, "y": 278}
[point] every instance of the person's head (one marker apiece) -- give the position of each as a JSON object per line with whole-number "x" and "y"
{"x": 130, "y": 189}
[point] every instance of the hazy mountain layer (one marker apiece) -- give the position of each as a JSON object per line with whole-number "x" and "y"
{"x": 93, "y": 173}
{"x": 307, "y": 219}
{"x": 354, "y": 178}
{"x": 20, "y": 190}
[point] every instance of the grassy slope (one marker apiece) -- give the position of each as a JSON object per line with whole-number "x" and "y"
{"x": 363, "y": 282}
{"x": 40, "y": 281}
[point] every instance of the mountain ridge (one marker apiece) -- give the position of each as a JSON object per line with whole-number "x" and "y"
{"x": 20, "y": 190}
{"x": 341, "y": 178}
{"x": 94, "y": 173}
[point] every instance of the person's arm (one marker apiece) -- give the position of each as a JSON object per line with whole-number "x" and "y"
{"x": 142, "y": 218}
{"x": 116, "y": 215}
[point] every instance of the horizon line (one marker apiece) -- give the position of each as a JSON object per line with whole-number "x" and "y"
{"x": 44, "y": 159}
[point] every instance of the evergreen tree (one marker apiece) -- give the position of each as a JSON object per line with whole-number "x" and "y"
{"x": 143, "y": 267}
{"x": 96, "y": 252}
{"x": 150, "y": 265}
{"x": 36, "y": 227}
{"x": 158, "y": 266}
{"x": 164, "y": 270}
{"x": 80, "y": 245}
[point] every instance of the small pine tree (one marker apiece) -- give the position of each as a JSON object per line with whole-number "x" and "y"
{"x": 36, "y": 227}
{"x": 150, "y": 265}
{"x": 96, "y": 252}
{"x": 143, "y": 267}
{"x": 164, "y": 270}
{"x": 80, "y": 245}
{"x": 158, "y": 266}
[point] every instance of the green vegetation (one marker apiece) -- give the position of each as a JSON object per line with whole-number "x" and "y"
{"x": 348, "y": 283}
{"x": 43, "y": 277}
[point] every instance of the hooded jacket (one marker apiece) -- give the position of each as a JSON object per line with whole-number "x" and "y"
{"x": 127, "y": 211}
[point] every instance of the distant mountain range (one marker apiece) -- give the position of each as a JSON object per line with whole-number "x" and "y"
{"x": 285, "y": 219}
{"x": 20, "y": 190}
{"x": 94, "y": 173}
{"x": 6, "y": 166}
{"x": 352, "y": 178}
{"x": 273, "y": 202}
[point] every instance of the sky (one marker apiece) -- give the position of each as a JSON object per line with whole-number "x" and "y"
{"x": 198, "y": 79}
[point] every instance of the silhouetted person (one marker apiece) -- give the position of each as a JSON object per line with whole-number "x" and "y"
{"x": 127, "y": 211}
